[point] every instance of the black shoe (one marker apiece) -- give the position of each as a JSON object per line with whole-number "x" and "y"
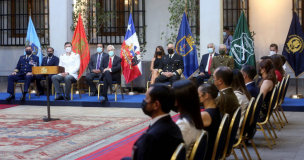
{"x": 40, "y": 93}
{"x": 10, "y": 97}
{"x": 67, "y": 97}
{"x": 23, "y": 97}
{"x": 103, "y": 99}
{"x": 94, "y": 93}
{"x": 59, "y": 98}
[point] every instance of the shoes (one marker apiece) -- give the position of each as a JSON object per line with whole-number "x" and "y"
{"x": 23, "y": 97}
{"x": 94, "y": 93}
{"x": 67, "y": 97}
{"x": 103, "y": 99}
{"x": 40, "y": 93}
{"x": 59, "y": 98}
{"x": 10, "y": 97}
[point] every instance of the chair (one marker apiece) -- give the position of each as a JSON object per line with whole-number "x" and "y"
{"x": 72, "y": 88}
{"x": 221, "y": 137}
{"x": 200, "y": 147}
{"x": 179, "y": 153}
{"x": 271, "y": 104}
{"x": 149, "y": 82}
{"x": 275, "y": 110}
{"x": 233, "y": 128}
{"x": 282, "y": 97}
{"x": 115, "y": 83}
{"x": 95, "y": 80}
{"x": 21, "y": 82}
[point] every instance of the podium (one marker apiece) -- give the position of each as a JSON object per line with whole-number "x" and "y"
{"x": 46, "y": 70}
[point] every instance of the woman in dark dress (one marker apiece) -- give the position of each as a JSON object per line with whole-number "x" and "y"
{"x": 211, "y": 116}
{"x": 159, "y": 52}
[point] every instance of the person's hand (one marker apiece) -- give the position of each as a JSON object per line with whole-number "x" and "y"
{"x": 94, "y": 70}
{"x": 14, "y": 73}
{"x": 98, "y": 71}
{"x": 170, "y": 74}
{"x": 29, "y": 74}
{"x": 202, "y": 74}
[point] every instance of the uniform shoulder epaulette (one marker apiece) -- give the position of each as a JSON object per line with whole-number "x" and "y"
{"x": 216, "y": 56}
{"x": 230, "y": 56}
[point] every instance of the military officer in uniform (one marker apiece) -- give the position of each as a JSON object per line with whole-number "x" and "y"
{"x": 221, "y": 60}
{"x": 23, "y": 71}
{"x": 171, "y": 66}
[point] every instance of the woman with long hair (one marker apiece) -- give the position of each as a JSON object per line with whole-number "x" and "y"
{"x": 190, "y": 121}
{"x": 278, "y": 66}
{"x": 159, "y": 52}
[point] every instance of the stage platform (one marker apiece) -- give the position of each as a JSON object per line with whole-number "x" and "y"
{"x": 129, "y": 101}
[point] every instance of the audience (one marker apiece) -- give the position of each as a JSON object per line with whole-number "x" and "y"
{"x": 278, "y": 66}
{"x": 163, "y": 135}
{"x": 241, "y": 92}
{"x": 227, "y": 101}
{"x": 258, "y": 78}
{"x": 266, "y": 71}
{"x": 190, "y": 121}
{"x": 159, "y": 52}
{"x": 249, "y": 72}
{"x": 211, "y": 115}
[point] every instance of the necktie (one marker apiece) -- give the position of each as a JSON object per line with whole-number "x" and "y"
{"x": 48, "y": 60}
{"x": 210, "y": 60}
{"x": 98, "y": 62}
{"x": 110, "y": 63}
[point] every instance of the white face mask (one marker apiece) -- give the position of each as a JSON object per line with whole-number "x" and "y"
{"x": 273, "y": 52}
{"x": 68, "y": 49}
{"x": 210, "y": 50}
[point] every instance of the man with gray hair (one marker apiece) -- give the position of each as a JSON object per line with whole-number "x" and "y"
{"x": 221, "y": 60}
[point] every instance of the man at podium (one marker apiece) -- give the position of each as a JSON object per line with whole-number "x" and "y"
{"x": 23, "y": 71}
{"x": 50, "y": 60}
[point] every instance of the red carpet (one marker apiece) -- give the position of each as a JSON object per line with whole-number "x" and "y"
{"x": 3, "y": 106}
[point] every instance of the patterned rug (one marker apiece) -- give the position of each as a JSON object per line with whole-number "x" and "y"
{"x": 28, "y": 137}
{"x": 3, "y": 106}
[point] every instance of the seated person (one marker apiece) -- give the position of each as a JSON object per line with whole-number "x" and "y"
{"x": 227, "y": 101}
{"x": 257, "y": 79}
{"x": 205, "y": 65}
{"x": 171, "y": 66}
{"x": 50, "y": 60}
{"x": 159, "y": 53}
{"x": 278, "y": 66}
{"x": 190, "y": 121}
{"x": 211, "y": 116}
{"x": 71, "y": 62}
{"x": 94, "y": 67}
{"x": 249, "y": 72}
{"x": 111, "y": 71}
{"x": 23, "y": 71}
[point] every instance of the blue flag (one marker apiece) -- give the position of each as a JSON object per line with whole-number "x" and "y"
{"x": 33, "y": 40}
{"x": 293, "y": 47}
{"x": 185, "y": 46}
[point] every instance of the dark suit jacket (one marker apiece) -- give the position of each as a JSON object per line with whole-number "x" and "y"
{"x": 227, "y": 102}
{"x": 253, "y": 89}
{"x": 175, "y": 64}
{"x": 204, "y": 62}
{"x": 159, "y": 142}
{"x": 93, "y": 61}
{"x": 116, "y": 66}
{"x": 25, "y": 65}
{"x": 53, "y": 62}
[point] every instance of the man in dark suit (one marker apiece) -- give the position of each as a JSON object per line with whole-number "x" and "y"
{"x": 50, "y": 60}
{"x": 163, "y": 135}
{"x": 249, "y": 72}
{"x": 205, "y": 65}
{"x": 94, "y": 67}
{"x": 171, "y": 66}
{"x": 227, "y": 101}
{"x": 23, "y": 71}
{"x": 111, "y": 69}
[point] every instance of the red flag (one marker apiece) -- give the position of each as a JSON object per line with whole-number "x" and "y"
{"x": 81, "y": 46}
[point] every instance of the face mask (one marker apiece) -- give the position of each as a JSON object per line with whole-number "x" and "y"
{"x": 50, "y": 54}
{"x": 224, "y": 33}
{"x": 260, "y": 74}
{"x": 222, "y": 52}
{"x": 111, "y": 53}
{"x": 273, "y": 52}
{"x": 159, "y": 53}
{"x": 68, "y": 49}
{"x": 210, "y": 50}
{"x": 28, "y": 52}
{"x": 170, "y": 51}
{"x": 144, "y": 108}
{"x": 99, "y": 50}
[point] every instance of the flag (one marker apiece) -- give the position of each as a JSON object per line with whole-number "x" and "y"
{"x": 81, "y": 46}
{"x": 130, "y": 54}
{"x": 293, "y": 47}
{"x": 185, "y": 46}
{"x": 242, "y": 48}
{"x": 33, "y": 40}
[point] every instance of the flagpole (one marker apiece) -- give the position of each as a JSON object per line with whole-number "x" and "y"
{"x": 186, "y": 7}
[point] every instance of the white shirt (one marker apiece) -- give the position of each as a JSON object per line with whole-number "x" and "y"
{"x": 27, "y": 57}
{"x": 99, "y": 56}
{"x": 171, "y": 56}
{"x": 249, "y": 83}
{"x": 71, "y": 63}
{"x": 243, "y": 101}
{"x": 225, "y": 88}
{"x": 157, "y": 118}
{"x": 207, "y": 65}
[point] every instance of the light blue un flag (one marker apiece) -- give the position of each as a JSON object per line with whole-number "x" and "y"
{"x": 185, "y": 46}
{"x": 33, "y": 40}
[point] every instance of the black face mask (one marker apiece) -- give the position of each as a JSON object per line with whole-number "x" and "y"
{"x": 159, "y": 53}
{"x": 170, "y": 51}
{"x": 50, "y": 54}
{"x": 28, "y": 52}
{"x": 260, "y": 74}
{"x": 144, "y": 108}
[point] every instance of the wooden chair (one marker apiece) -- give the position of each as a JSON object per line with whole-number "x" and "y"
{"x": 76, "y": 84}
{"x": 264, "y": 122}
{"x": 282, "y": 97}
{"x": 221, "y": 137}
{"x": 276, "y": 112}
{"x": 200, "y": 147}
{"x": 95, "y": 80}
{"x": 232, "y": 131}
{"x": 115, "y": 85}
{"x": 179, "y": 153}
{"x": 32, "y": 87}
